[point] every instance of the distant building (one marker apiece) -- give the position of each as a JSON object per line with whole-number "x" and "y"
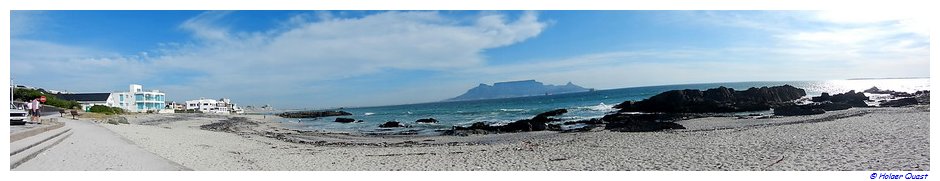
{"x": 134, "y": 100}
{"x": 88, "y": 99}
{"x": 175, "y": 106}
{"x": 221, "y": 106}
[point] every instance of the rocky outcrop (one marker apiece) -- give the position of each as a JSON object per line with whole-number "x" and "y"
{"x": 313, "y": 114}
{"x": 855, "y": 99}
{"x": 716, "y": 100}
{"x": 875, "y": 90}
{"x": 537, "y": 123}
{"x": 907, "y": 101}
{"x": 640, "y": 122}
{"x": 923, "y": 97}
{"x": 428, "y": 120}
{"x": 391, "y": 124}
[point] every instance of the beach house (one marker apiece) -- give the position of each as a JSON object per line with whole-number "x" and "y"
{"x": 221, "y": 106}
{"x": 134, "y": 100}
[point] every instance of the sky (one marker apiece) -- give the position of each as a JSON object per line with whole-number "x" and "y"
{"x": 323, "y": 59}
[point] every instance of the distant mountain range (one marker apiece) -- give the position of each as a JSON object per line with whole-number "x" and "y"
{"x": 516, "y": 89}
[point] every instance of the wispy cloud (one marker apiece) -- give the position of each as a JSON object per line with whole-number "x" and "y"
{"x": 292, "y": 60}
{"x": 313, "y": 59}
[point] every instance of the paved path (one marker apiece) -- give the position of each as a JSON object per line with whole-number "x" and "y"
{"x": 92, "y": 147}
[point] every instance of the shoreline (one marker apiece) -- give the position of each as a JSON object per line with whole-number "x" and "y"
{"x": 852, "y": 138}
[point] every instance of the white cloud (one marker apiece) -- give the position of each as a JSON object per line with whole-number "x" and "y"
{"x": 300, "y": 63}
{"x": 265, "y": 66}
{"x": 864, "y": 16}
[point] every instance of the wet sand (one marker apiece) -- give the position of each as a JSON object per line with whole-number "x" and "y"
{"x": 854, "y": 139}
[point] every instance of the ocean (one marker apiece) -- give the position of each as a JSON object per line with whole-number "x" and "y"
{"x": 583, "y": 105}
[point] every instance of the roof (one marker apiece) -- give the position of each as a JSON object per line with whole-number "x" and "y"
{"x": 85, "y": 96}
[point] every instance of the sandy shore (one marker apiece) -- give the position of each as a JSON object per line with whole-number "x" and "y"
{"x": 854, "y": 139}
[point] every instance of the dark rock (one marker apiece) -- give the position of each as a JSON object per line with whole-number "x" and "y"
{"x": 640, "y": 122}
{"x": 537, "y": 123}
{"x": 556, "y": 112}
{"x": 624, "y": 104}
{"x": 721, "y": 99}
{"x": 794, "y": 110}
{"x": 344, "y": 120}
{"x": 849, "y": 97}
{"x": 391, "y": 124}
{"x": 428, "y": 120}
{"x": 313, "y": 114}
{"x": 923, "y": 97}
{"x": 855, "y": 99}
{"x": 900, "y": 102}
{"x": 822, "y": 98}
{"x": 875, "y": 90}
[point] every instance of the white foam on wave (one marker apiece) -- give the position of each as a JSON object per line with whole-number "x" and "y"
{"x": 598, "y": 107}
{"x": 512, "y": 110}
{"x": 368, "y": 113}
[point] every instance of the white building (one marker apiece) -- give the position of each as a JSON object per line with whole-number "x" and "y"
{"x": 134, "y": 100}
{"x": 221, "y": 106}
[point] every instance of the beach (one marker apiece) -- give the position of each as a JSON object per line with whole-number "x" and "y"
{"x": 853, "y": 139}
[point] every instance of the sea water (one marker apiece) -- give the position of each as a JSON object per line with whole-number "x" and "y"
{"x": 583, "y": 105}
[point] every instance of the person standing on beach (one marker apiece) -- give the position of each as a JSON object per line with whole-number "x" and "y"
{"x": 29, "y": 110}
{"x": 34, "y": 109}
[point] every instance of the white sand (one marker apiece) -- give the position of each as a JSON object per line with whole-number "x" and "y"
{"x": 878, "y": 139}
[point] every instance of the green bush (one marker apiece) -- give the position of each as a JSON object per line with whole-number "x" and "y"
{"x": 106, "y": 110}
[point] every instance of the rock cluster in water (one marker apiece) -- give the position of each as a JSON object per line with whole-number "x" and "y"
{"x": 313, "y": 114}
{"x": 346, "y": 120}
{"x": 391, "y": 124}
{"x": 716, "y": 100}
{"x": 850, "y": 99}
{"x": 661, "y": 111}
{"x": 427, "y": 120}
{"x": 537, "y": 123}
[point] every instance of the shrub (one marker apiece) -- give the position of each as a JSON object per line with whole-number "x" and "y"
{"x": 106, "y": 110}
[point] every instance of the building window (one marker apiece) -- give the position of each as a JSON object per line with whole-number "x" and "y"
{"x": 139, "y": 97}
{"x": 140, "y": 106}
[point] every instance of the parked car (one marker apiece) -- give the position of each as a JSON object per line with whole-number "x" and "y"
{"x": 18, "y": 115}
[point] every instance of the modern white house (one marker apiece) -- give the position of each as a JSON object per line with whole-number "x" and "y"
{"x": 221, "y": 106}
{"x": 137, "y": 100}
{"x": 134, "y": 100}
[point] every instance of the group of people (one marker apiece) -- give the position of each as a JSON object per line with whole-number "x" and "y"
{"x": 35, "y": 110}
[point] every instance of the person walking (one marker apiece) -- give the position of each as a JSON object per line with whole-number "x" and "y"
{"x": 29, "y": 110}
{"x": 35, "y": 109}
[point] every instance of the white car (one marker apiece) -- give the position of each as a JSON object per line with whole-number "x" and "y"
{"x": 18, "y": 115}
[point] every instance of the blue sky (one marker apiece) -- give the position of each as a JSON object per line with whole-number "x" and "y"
{"x": 318, "y": 59}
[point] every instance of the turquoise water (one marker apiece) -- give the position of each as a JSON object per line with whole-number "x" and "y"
{"x": 582, "y": 105}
